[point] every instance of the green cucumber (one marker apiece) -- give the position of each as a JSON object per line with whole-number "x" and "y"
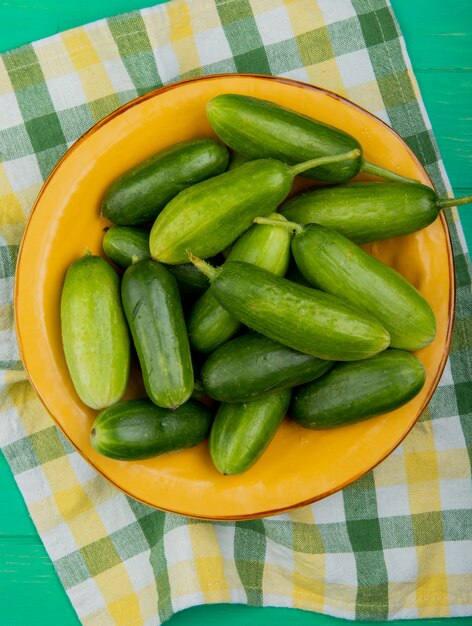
{"x": 209, "y": 324}
{"x": 252, "y": 366}
{"x": 299, "y": 317}
{"x": 258, "y": 129}
{"x": 333, "y": 263}
{"x": 210, "y": 215}
{"x": 126, "y": 245}
{"x": 153, "y": 309}
{"x": 94, "y": 332}
{"x": 138, "y": 429}
{"x": 352, "y": 392}
{"x": 241, "y": 432}
{"x": 365, "y": 212}
{"x": 141, "y": 193}
{"x": 236, "y": 160}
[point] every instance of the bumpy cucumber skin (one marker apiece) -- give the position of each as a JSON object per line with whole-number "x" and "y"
{"x": 333, "y": 263}
{"x": 153, "y": 309}
{"x": 94, "y": 332}
{"x": 209, "y": 324}
{"x": 258, "y": 129}
{"x": 365, "y": 212}
{"x": 138, "y": 429}
{"x": 126, "y": 245}
{"x": 241, "y": 432}
{"x": 139, "y": 194}
{"x": 299, "y": 317}
{"x": 209, "y": 216}
{"x": 352, "y": 392}
{"x": 253, "y": 366}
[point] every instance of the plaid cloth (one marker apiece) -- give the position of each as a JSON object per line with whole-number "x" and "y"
{"x": 395, "y": 544}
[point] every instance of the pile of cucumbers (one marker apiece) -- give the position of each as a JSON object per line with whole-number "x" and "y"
{"x": 231, "y": 294}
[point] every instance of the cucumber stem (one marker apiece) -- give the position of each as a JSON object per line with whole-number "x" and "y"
{"x": 378, "y": 170}
{"x": 292, "y": 226}
{"x": 444, "y": 203}
{"x": 327, "y": 160}
{"x": 205, "y": 268}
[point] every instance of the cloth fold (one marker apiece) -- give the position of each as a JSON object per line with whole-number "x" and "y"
{"x": 398, "y": 542}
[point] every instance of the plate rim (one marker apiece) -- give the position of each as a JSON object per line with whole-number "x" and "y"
{"x": 451, "y": 270}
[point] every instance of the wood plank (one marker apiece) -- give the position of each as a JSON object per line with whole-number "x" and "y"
{"x": 30, "y": 590}
{"x": 448, "y": 98}
{"x": 438, "y": 34}
{"x": 14, "y": 516}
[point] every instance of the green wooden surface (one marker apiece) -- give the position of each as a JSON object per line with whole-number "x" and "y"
{"x": 438, "y": 35}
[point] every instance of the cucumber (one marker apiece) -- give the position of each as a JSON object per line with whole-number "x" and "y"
{"x": 236, "y": 160}
{"x": 252, "y": 366}
{"x": 189, "y": 279}
{"x": 209, "y": 324}
{"x": 299, "y": 317}
{"x": 126, "y": 245}
{"x": 333, "y": 263}
{"x": 365, "y": 212}
{"x": 153, "y": 309}
{"x": 95, "y": 336}
{"x": 141, "y": 193}
{"x": 211, "y": 215}
{"x": 241, "y": 432}
{"x": 138, "y": 429}
{"x": 352, "y": 392}
{"x": 258, "y": 129}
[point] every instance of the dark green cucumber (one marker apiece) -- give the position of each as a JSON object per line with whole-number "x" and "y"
{"x": 365, "y": 212}
{"x": 94, "y": 332}
{"x": 211, "y": 215}
{"x": 138, "y": 429}
{"x": 333, "y": 263}
{"x": 258, "y": 129}
{"x": 352, "y": 392}
{"x": 299, "y": 317}
{"x": 141, "y": 193}
{"x": 252, "y": 366}
{"x": 189, "y": 279}
{"x": 126, "y": 245}
{"x": 236, "y": 160}
{"x": 153, "y": 309}
{"x": 209, "y": 324}
{"x": 241, "y": 432}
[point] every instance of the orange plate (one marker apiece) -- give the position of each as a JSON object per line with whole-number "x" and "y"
{"x": 300, "y": 466}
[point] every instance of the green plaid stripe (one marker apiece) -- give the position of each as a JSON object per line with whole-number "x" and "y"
{"x": 371, "y": 526}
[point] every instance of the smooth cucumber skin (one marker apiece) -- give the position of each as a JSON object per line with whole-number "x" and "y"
{"x": 299, "y": 317}
{"x": 126, "y": 245}
{"x": 258, "y": 129}
{"x": 333, "y": 263}
{"x": 241, "y": 432}
{"x": 209, "y": 324}
{"x": 94, "y": 332}
{"x": 189, "y": 279}
{"x": 365, "y": 212}
{"x": 140, "y": 194}
{"x": 253, "y": 366}
{"x": 153, "y": 309}
{"x": 209, "y": 216}
{"x": 236, "y": 160}
{"x": 138, "y": 429}
{"x": 352, "y": 392}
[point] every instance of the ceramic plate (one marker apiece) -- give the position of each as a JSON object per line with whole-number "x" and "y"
{"x": 300, "y": 466}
